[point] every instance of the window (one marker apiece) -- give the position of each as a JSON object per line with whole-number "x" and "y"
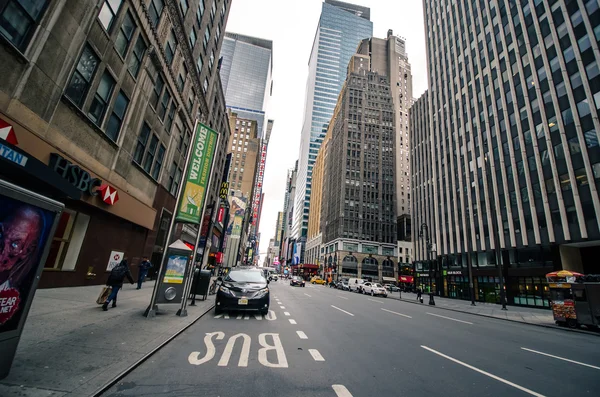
{"x": 170, "y": 118}
{"x": 184, "y": 6}
{"x": 150, "y": 153}
{"x": 181, "y": 78}
{"x": 109, "y": 10}
{"x": 174, "y": 179}
{"x": 164, "y": 104}
{"x": 116, "y": 118}
{"x": 218, "y": 34}
{"x": 584, "y": 43}
{"x": 142, "y": 141}
{"x": 200, "y": 11}
{"x": 591, "y": 139}
{"x": 193, "y": 37}
{"x": 206, "y": 38}
{"x": 158, "y": 87}
{"x": 137, "y": 55}
{"x": 125, "y": 35}
{"x": 102, "y": 97}
{"x": 574, "y": 147}
{"x": 199, "y": 64}
{"x": 592, "y": 70}
{"x": 211, "y": 61}
{"x": 18, "y": 20}
{"x": 205, "y": 85}
{"x": 576, "y": 80}
{"x": 568, "y": 54}
{"x": 567, "y": 116}
{"x": 191, "y": 99}
{"x": 67, "y": 240}
{"x": 583, "y": 108}
{"x": 155, "y": 10}
{"x": 82, "y": 76}
{"x": 170, "y": 47}
{"x": 213, "y": 11}
{"x": 158, "y": 163}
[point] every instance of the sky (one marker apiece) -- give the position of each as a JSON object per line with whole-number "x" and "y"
{"x": 291, "y": 25}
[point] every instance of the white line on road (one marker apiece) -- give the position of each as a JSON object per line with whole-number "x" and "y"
{"x": 341, "y": 391}
{"x": 292, "y": 321}
{"x": 308, "y": 295}
{"x": 484, "y": 373}
{"x": 283, "y": 307}
{"x": 343, "y": 297}
{"x": 335, "y": 307}
{"x": 449, "y": 318}
{"x": 301, "y": 335}
{"x": 561, "y": 358}
{"x": 399, "y": 314}
{"x": 286, "y": 313}
{"x": 374, "y": 300}
{"x": 316, "y": 355}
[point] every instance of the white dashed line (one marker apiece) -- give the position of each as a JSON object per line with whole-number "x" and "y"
{"x": 396, "y": 313}
{"x": 283, "y": 307}
{"x": 560, "y": 358}
{"x": 292, "y": 321}
{"x": 286, "y": 313}
{"x": 335, "y": 307}
{"x": 375, "y": 300}
{"x": 308, "y": 295}
{"x": 301, "y": 335}
{"x": 342, "y": 297}
{"x": 449, "y": 318}
{"x": 316, "y": 355}
{"x": 341, "y": 391}
{"x": 484, "y": 373}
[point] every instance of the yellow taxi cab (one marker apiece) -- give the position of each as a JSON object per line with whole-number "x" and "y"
{"x": 317, "y": 280}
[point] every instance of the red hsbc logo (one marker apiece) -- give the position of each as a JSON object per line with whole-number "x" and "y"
{"x": 108, "y": 194}
{"x": 7, "y": 132}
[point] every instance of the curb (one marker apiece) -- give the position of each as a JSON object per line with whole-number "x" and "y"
{"x": 550, "y": 326}
{"x": 133, "y": 366}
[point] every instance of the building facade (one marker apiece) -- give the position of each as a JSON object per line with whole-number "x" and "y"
{"x": 341, "y": 28}
{"x": 359, "y": 203}
{"x": 111, "y": 89}
{"x": 288, "y": 216}
{"x": 505, "y": 147}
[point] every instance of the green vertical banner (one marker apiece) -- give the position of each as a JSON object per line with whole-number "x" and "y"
{"x": 193, "y": 195}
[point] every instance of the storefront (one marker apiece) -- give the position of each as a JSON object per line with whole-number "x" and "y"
{"x": 101, "y": 223}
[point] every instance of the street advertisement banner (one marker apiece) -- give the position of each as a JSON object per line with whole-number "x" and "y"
{"x": 114, "y": 259}
{"x": 175, "y": 271}
{"x": 190, "y": 205}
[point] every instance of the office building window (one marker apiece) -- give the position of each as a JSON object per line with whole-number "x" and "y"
{"x": 82, "y": 76}
{"x": 193, "y": 37}
{"x": 159, "y": 84}
{"x": 164, "y": 104}
{"x": 155, "y": 10}
{"x": 184, "y": 6}
{"x": 205, "y": 85}
{"x": 174, "y": 179}
{"x": 199, "y": 64}
{"x": 141, "y": 144}
{"x": 116, "y": 118}
{"x": 206, "y": 38}
{"x": 171, "y": 47}
{"x": 18, "y": 20}
{"x": 102, "y": 97}
{"x": 200, "y": 11}
{"x": 211, "y": 61}
{"x": 108, "y": 13}
{"x": 170, "y": 118}
{"x": 67, "y": 240}
{"x": 158, "y": 162}
{"x": 137, "y": 55}
{"x": 125, "y": 35}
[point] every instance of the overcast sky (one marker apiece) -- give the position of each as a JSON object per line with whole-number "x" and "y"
{"x": 291, "y": 25}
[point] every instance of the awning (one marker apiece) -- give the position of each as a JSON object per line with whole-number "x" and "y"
{"x": 389, "y": 279}
{"x": 406, "y": 279}
{"x": 306, "y": 266}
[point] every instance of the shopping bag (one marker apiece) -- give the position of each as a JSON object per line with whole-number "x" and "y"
{"x": 421, "y": 300}
{"x": 103, "y": 295}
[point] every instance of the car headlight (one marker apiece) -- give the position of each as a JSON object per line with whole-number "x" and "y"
{"x": 262, "y": 292}
{"x": 225, "y": 290}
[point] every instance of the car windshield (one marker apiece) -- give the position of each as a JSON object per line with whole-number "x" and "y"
{"x": 297, "y": 278}
{"x": 245, "y": 276}
{"x": 377, "y": 285}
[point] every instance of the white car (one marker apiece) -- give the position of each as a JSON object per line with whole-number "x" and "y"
{"x": 374, "y": 289}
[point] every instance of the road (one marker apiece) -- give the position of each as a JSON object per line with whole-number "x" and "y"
{"x": 318, "y": 341}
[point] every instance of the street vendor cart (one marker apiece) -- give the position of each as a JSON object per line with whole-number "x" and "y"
{"x": 574, "y": 298}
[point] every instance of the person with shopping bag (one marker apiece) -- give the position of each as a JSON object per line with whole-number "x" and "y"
{"x": 115, "y": 281}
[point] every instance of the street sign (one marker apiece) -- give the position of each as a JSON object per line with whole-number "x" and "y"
{"x": 114, "y": 259}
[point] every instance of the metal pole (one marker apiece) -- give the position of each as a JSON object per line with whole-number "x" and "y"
{"x": 497, "y": 252}
{"x": 152, "y": 308}
{"x": 186, "y": 290}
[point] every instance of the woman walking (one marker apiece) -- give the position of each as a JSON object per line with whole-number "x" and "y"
{"x": 115, "y": 281}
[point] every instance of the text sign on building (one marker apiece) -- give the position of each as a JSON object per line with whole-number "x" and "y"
{"x": 192, "y": 199}
{"x": 115, "y": 258}
{"x": 259, "y": 181}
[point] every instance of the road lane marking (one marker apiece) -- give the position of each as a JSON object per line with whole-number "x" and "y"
{"x": 335, "y": 307}
{"x": 484, "y": 372}
{"x": 292, "y": 321}
{"x": 449, "y": 318}
{"x": 246, "y": 317}
{"x": 561, "y": 358}
{"x": 341, "y": 391}
{"x": 308, "y": 295}
{"x": 286, "y": 313}
{"x": 243, "y": 362}
{"x": 374, "y": 300}
{"x": 399, "y": 314}
{"x": 343, "y": 297}
{"x": 239, "y": 316}
{"x": 301, "y": 335}
{"x": 277, "y": 346}
{"x": 226, "y": 316}
{"x": 316, "y": 355}
{"x": 283, "y": 307}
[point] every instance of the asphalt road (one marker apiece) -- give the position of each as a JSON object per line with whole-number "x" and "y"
{"x": 319, "y": 341}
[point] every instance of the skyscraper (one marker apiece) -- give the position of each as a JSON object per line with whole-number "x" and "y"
{"x": 505, "y": 153}
{"x": 341, "y": 28}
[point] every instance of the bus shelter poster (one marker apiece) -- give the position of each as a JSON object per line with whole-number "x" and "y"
{"x": 175, "y": 269}
{"x": 24, "y": 233}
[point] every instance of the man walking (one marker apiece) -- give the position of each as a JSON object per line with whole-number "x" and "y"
{"x": 144, "y": 266}
{"x": 418, "y": 293}
{"x": 115, "y": 281}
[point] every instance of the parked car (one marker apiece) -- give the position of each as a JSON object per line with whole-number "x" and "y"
{"x": 355, "y": 284}
{"x": 374, "y": 289}
{"x": 243, "y": 289}
{"x": 391, "y": 288}
{"x": 342, "y": 284}
{"x": 297, "y": 281}
{"x": 317, "y": 280}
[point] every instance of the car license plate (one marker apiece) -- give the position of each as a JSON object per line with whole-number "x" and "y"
{"x": 242, "y": 301}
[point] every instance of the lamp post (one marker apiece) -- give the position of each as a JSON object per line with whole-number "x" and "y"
{"x": 495, "y": 230}
{"x": 424, "y": 232}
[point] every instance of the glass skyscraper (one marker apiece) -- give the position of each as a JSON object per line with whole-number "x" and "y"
{"x": 341, "y": 28}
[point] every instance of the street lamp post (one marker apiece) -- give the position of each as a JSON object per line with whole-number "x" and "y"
{"x": 424, "y": 232}
{"x": 497, "y": 252}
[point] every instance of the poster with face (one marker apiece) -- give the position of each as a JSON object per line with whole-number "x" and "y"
{"x": 24, "y": 233}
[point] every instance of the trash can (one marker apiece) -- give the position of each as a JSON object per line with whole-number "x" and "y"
{"x": 201, "y": 283}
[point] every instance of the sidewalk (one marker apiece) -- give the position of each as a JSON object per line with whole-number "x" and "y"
{"x": 526, "y": 315}
{"x": 70, "y": 347}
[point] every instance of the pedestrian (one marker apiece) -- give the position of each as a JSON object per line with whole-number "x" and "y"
{"x": 115, "y": 281}
{"x": 144, "y": 266}
{"x": 418, "y": 293}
